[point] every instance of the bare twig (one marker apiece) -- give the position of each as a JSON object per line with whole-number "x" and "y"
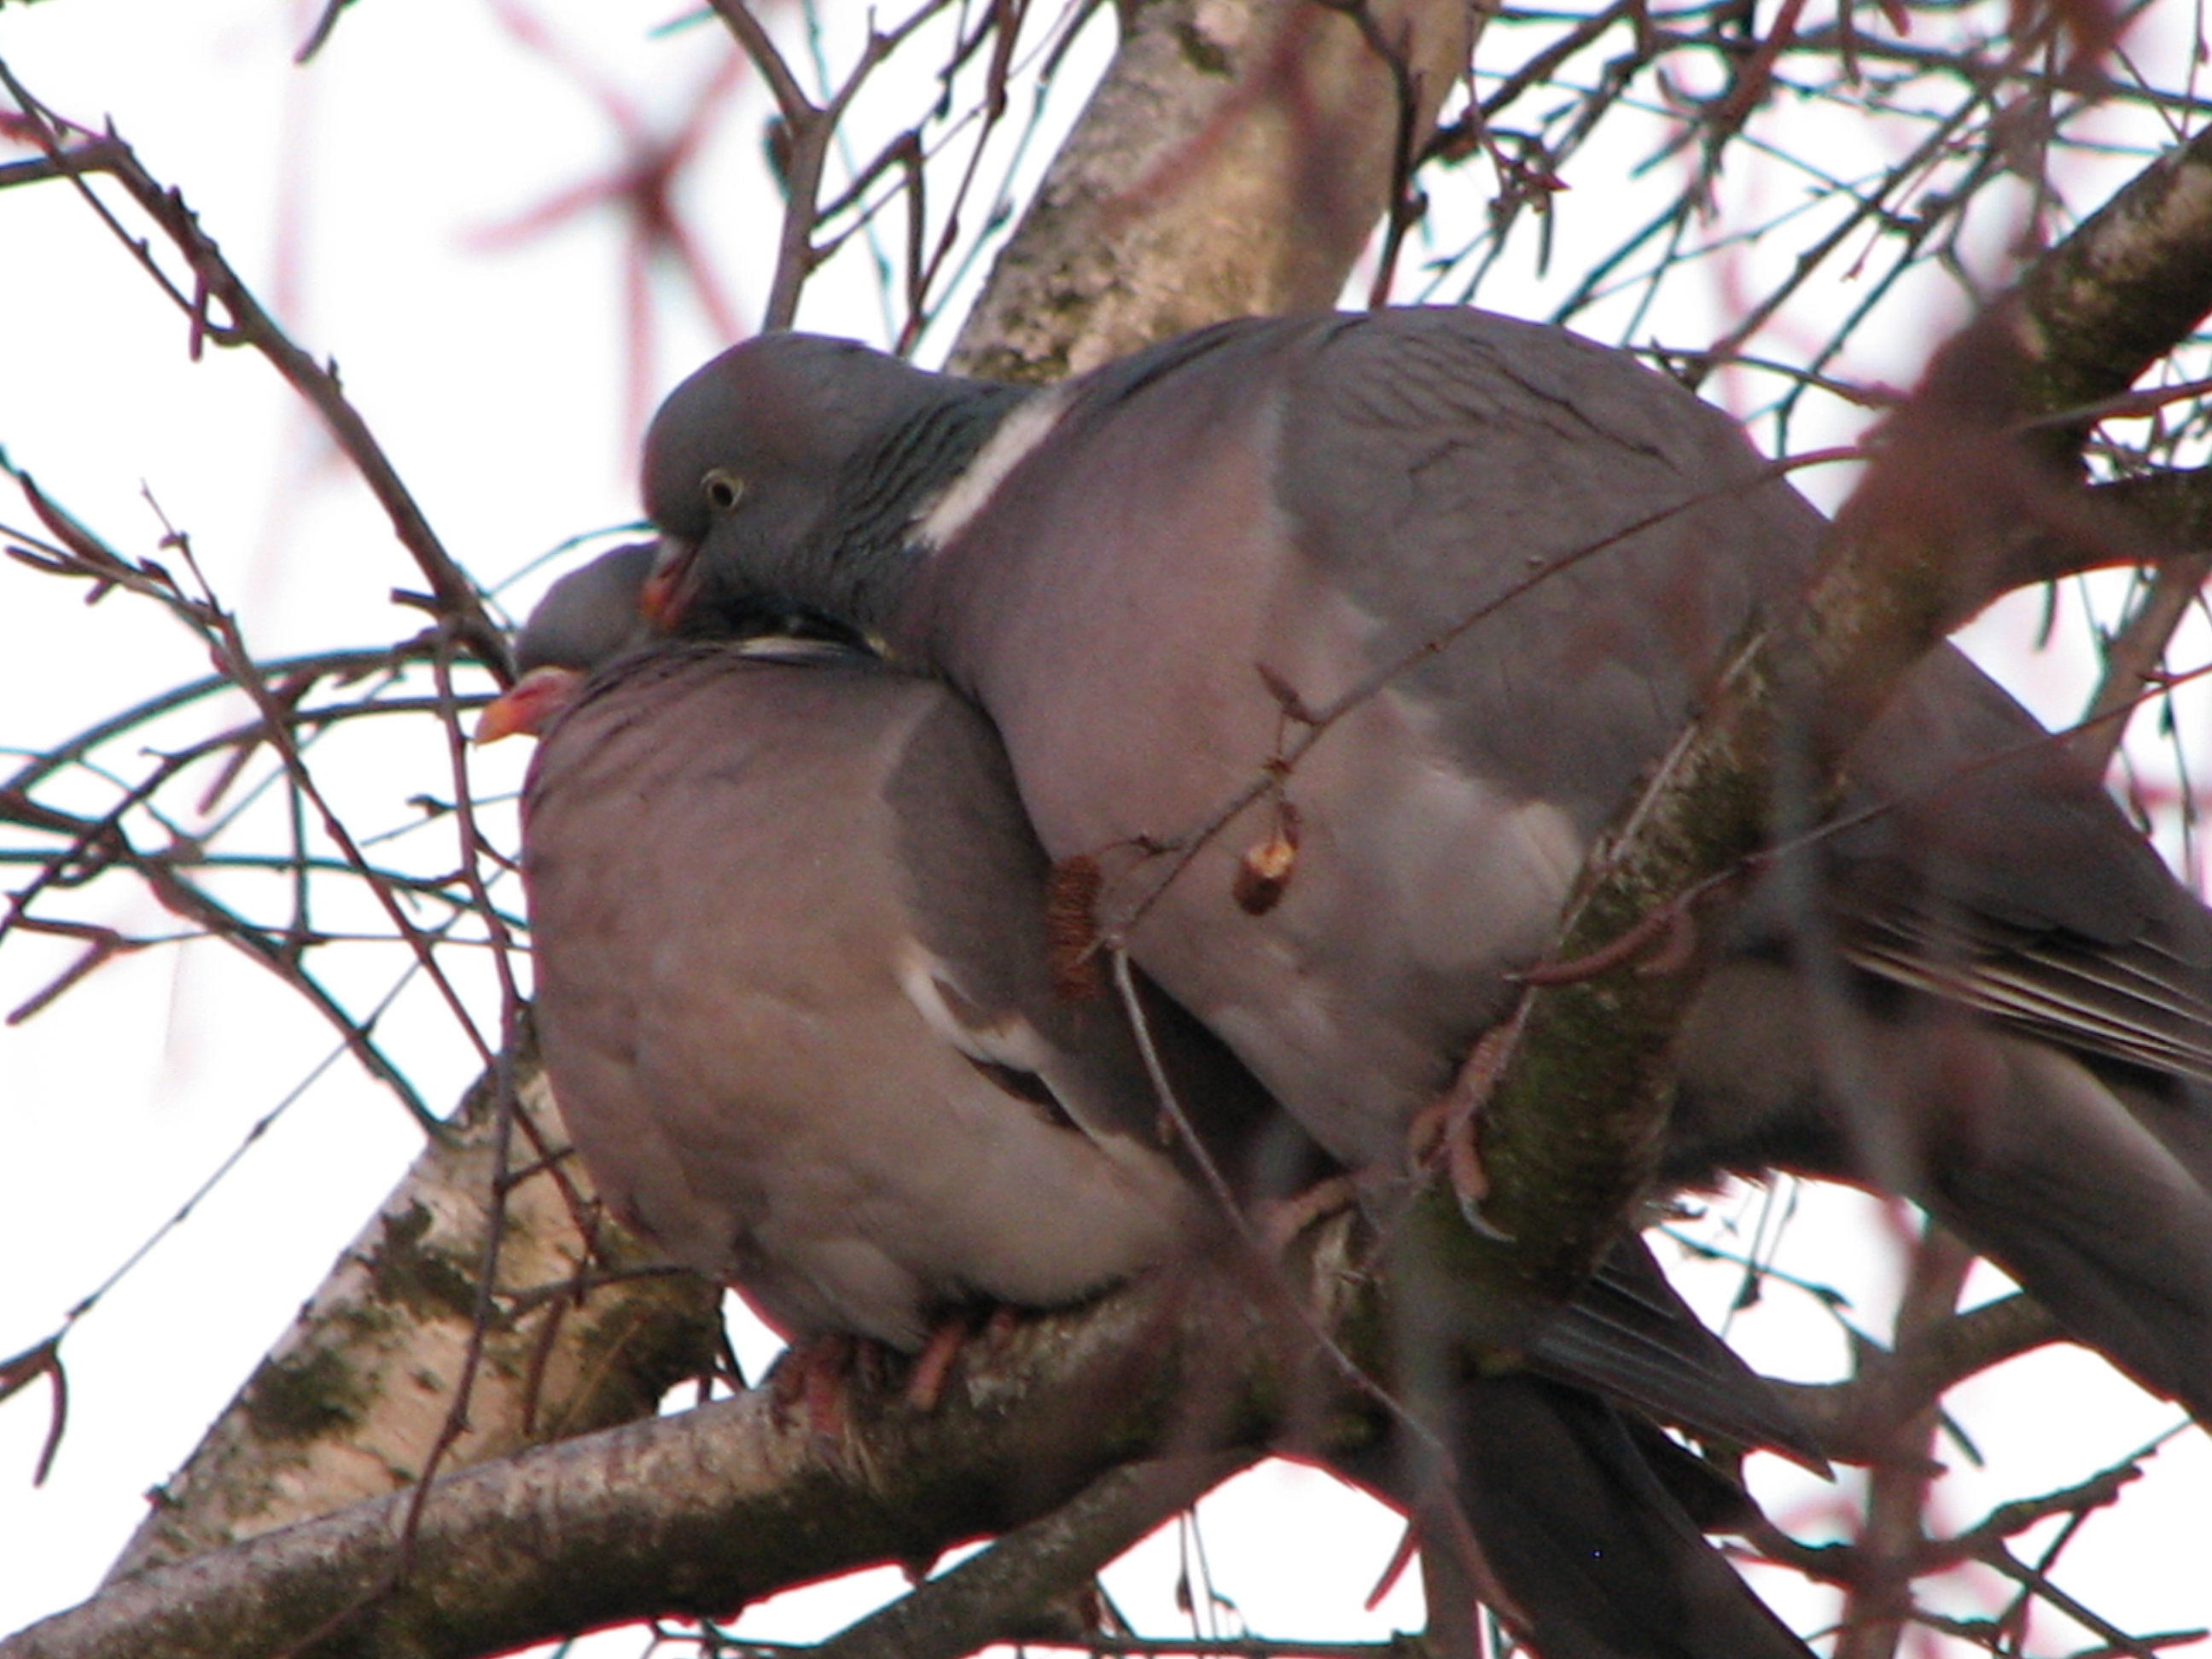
{"x": 809, "y": 130}
{"x": 214, "y": 282}
{"x": 1002, "y": 1589}
{"x": 1890, "y": 1540}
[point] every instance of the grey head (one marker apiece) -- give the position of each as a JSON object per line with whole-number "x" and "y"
{"x": 590, "y": 616}
{"x": 602, "y": 612}
{"x": 588, "y": 619}
{"x": 788, "y": 472}
{"x": 600, "y": 615}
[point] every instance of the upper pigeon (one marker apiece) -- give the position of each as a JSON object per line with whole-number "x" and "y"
{"x": 1493, "y": 566}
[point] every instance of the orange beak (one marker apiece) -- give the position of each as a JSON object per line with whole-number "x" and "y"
{"x": 667, "y": 588}
{"x": 529, "y": 705}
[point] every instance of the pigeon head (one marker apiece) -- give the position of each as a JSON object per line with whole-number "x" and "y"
{"x": 788, "y": 474}
{"x": 600, "y": 614}
{"x": 589, "y": 618}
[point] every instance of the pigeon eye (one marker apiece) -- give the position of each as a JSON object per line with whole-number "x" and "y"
{"x": 723, "y": 488}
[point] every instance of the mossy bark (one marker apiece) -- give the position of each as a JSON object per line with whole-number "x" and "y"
{"x": 350, "y": 1403}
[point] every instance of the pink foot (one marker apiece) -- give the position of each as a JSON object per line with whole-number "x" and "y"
{"x": 925, "y": 1384}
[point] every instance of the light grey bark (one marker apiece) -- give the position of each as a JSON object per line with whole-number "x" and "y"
{"x": 350, "y": 1402}
{"x": 700, "y": 1512}
{"x": 1232, "y": 163}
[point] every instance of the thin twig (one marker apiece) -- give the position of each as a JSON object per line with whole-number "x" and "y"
{"x": 214, "y": 281}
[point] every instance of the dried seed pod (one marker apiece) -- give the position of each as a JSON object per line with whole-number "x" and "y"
{"x": 1071, "y": 927}
{"x": 1263, "y": 874}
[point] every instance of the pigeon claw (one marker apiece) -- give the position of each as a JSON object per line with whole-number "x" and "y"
{"x": 811, "y": 1379}
{"x": 1444, "y": 1130}
{"x": 925, "y": 1384}
{"x": 1282, "y": 1219}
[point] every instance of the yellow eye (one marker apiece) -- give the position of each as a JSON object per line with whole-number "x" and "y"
{"x": 723, "y": 488}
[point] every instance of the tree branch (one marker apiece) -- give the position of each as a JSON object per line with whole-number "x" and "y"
{"x": 1232, "y": 162}
{"x": 349, "y": 1404}
{"x": 701, "y": 1512}
{"x": 1569, "y": 1138}
{"x": 1890, "y": 1538}
{"x": 2114, "y": 297}
{"x": 1854, "y": 1420}
{"x": 455, "y": 599}
{"x": 1000, "y": 1592}
{"x": 2157, "y": 520}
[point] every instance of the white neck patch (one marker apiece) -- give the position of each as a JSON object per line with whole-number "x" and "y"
{"x": 956, "y": 506}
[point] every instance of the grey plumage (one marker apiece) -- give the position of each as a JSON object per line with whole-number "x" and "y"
{"x": 769, "y": 1032}
{"x": 794, "y": 998}
{"x": 590, "y": 617}
{"x": 1988, "y": 995}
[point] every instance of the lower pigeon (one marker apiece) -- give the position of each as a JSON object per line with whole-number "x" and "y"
{"x": 797, "y": 1002}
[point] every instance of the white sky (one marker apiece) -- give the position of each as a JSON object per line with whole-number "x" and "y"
{"x": 357, "y": 194}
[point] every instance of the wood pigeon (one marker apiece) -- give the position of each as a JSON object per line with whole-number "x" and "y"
{"x": 1501, "y": 562}
{"x": 795, "y": 999}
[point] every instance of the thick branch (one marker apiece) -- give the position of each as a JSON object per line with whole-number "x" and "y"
{"x": 349, "y": 1404}
{"x": 1569, "y": 1140}
{"x": 2132, "y": 279}
{"x": 1002, "y": 1591}
{"x": 1232, "y": 163}
{"x": 701, "y": 1512}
